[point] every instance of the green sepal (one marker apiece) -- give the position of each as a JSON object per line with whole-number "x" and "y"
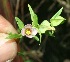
{"x": 36, "y": 38}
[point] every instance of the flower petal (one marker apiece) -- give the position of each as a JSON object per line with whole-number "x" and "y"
{"x": 29, "y": 29}
{"x": 23, "y": 31}
{"x": 28, "y": 26}
{"x": 34, "y": 31}
{"x": 29, "y": 36}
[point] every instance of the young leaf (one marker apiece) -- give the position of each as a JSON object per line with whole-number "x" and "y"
{"x": 43, "y": 26}
{"x": 19, "y": 22}
{"x": 34, "y": 17}
{"x": 58, "y": 20}
{"x": 14, "y": 36}
{"x": 57, "y": 14}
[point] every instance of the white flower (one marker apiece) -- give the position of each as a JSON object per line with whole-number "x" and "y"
{"x": 29, "y": 31}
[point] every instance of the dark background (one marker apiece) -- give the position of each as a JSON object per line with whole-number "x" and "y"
{"x": 52, "y": 49}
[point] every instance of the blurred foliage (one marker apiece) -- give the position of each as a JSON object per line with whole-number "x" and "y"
{"x": 52, "y": 49}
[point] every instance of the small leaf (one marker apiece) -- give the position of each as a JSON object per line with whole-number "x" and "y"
{"x": 42, "y": 29}
{"x": 57, "y": 14}
{"x": 36, "y": 38}
{"x": 44, "y": 26}
{"x": 14, "y": 36}
{"x": 34, "y": 17}
{"x": 45, "y": 23}
{"x": 57, "y": 21}
{"x": 19, "y": 22}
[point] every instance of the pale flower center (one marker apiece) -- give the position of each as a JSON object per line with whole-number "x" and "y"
{"x": 28, "y": 31}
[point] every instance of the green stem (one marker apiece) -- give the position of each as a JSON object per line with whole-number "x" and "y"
{"x": 40, "y": 37}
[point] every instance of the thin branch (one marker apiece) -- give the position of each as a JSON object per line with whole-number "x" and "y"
{"x": 39, "y": 5}
{"x": 17, "y": 7}
{"x": 22, "y": 10}
{"x": 52, "y": 5}
{"x": 16, "y": 11}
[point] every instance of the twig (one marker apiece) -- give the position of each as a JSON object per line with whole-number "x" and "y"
{"x": 52, "y": 5}
{"x": 16, "y": 11}
{"x": 22, "y": 10}
{"x": 39, "y": 5}
{"x": 17, "y": 7}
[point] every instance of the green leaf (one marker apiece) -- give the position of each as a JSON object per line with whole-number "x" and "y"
{"x": 44, "y": 26}
{"x": 57, "y": 21}
{"x": 57, "y": 14}
{"x": 34, "y": 17}
{"x": 19, "y": 22}
{"x": 36, "y": 38}
{"x": 14, "y": 36}
{"x": 42, "y": 29}
{"x": 45, "y": 23}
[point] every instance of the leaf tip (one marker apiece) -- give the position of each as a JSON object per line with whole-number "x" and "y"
{"x": 28, "y": 5}
{"x": 62, "y": 8}
{"x": 15, "y": 17}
